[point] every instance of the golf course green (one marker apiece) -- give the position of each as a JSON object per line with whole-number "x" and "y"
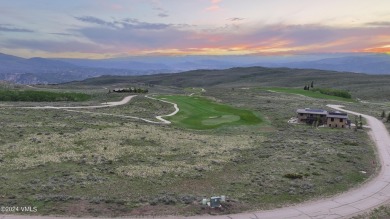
{"x": 200, "y": 113}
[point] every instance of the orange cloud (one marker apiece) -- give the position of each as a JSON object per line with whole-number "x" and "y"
{"x": 382, "y": 49}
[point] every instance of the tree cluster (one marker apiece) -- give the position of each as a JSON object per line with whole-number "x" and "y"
{"x": 307, "y": 87}
{"x": 334, "y": 92}
{"x": 130, "y": 90}
{"x": 358, "y": 122}
{"x": 41, "y": 96}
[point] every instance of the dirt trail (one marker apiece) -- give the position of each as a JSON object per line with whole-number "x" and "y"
{"x": 113, "y": 104}
{"x": 103, "y": 105}
{"x": 171, "y": 114}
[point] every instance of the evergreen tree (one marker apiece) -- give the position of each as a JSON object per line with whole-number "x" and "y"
{"x": 388, "y": 118}
{"x": 312, "y": 84}
{"x": 305, "y": 88}
{"x": 383, "y": 114}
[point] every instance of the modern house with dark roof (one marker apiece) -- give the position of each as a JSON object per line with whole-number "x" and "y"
{"x": 323, "y": 117}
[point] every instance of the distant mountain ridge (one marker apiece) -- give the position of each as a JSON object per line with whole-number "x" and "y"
{"x": 42, "y": 70}
{"x": 373, "y": 64}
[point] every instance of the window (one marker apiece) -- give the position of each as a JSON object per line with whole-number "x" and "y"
{"x": 336, "y": 125}
{"x": 330, "y": 125}
{"x": 301, "y": 114}
{"x": 342, "y": 126}
{"x": 341, "y": 120}
{"x": 332, "y": 119}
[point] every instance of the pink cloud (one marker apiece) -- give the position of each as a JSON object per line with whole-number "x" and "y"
{"x": 116, "y": 7}
{"x": 213, "y": 8}
{"x": 214, "y": 5}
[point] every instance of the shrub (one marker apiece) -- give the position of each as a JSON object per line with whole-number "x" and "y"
{"x": 333, "y": 92}
{"x": 293, "y": 175}
{"x": 41, "y": 96}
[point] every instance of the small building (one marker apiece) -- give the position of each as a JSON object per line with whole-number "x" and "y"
{"x": 310, "y": 116}
{"x": 337, "y": 119}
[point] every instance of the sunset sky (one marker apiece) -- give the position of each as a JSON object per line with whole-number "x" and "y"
{"x": 116, "y": 28}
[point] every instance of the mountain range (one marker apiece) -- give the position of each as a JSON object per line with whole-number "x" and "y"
{"x": 43, "y": 70}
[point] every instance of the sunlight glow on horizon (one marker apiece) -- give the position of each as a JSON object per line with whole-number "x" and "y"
{"x": 103, "y": 29}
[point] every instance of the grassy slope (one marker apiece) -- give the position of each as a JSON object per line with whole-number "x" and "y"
{"x": 360, "y": 85}
{"x": 307, "y": 93}
{"x": 200, "y": 113}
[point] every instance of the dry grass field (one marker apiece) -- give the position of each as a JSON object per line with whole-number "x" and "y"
{"x": 74, "y": 163}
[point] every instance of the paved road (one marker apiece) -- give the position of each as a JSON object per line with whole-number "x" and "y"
{"x": 369, "y": 195}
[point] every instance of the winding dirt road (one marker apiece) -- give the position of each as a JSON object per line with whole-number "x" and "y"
{"x": 355, "y": 201}
{"x": 171, "y": 114}
{"x": 103, "y": 105}
{"x": 113, "y": 104}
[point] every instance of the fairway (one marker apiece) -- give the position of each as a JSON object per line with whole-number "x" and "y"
{"x": 307, "y": 93}
{"x": 200, "y": 113}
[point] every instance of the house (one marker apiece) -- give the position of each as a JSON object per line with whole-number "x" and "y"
{"x": 322, "y": 117}
{"x": 337, "y": 120}
{"x": 312, "y": 115}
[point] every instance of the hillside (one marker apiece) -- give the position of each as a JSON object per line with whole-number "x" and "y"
{"x": 40, "y": 70}
{"x": 371, "y": 64}
{"x": 221, "y": 141}
{"x": 350, "y": 62}
{"x": 259, "y": 76}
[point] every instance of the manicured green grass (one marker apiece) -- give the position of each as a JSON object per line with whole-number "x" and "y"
{"x": 307, "y": 93}
{"x": 200, "y": 113}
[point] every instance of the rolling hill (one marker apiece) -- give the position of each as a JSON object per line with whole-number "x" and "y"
{"x": 257, "y": 77}
{"x": 40, "y": 70}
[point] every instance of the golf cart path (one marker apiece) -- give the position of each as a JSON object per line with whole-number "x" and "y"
{"x": 103, "y": 105}
{"x": 113, "y": 104}
{"x": 369, "y": 195}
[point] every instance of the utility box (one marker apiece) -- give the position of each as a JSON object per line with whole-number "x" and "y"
{"x": 215, "y": 202}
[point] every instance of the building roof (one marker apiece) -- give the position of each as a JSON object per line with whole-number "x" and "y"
{"x": 337, "y": 115}
{"x": 312, "y": 111}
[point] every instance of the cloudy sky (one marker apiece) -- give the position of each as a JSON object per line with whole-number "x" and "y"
{"x": 115, "y": 28}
